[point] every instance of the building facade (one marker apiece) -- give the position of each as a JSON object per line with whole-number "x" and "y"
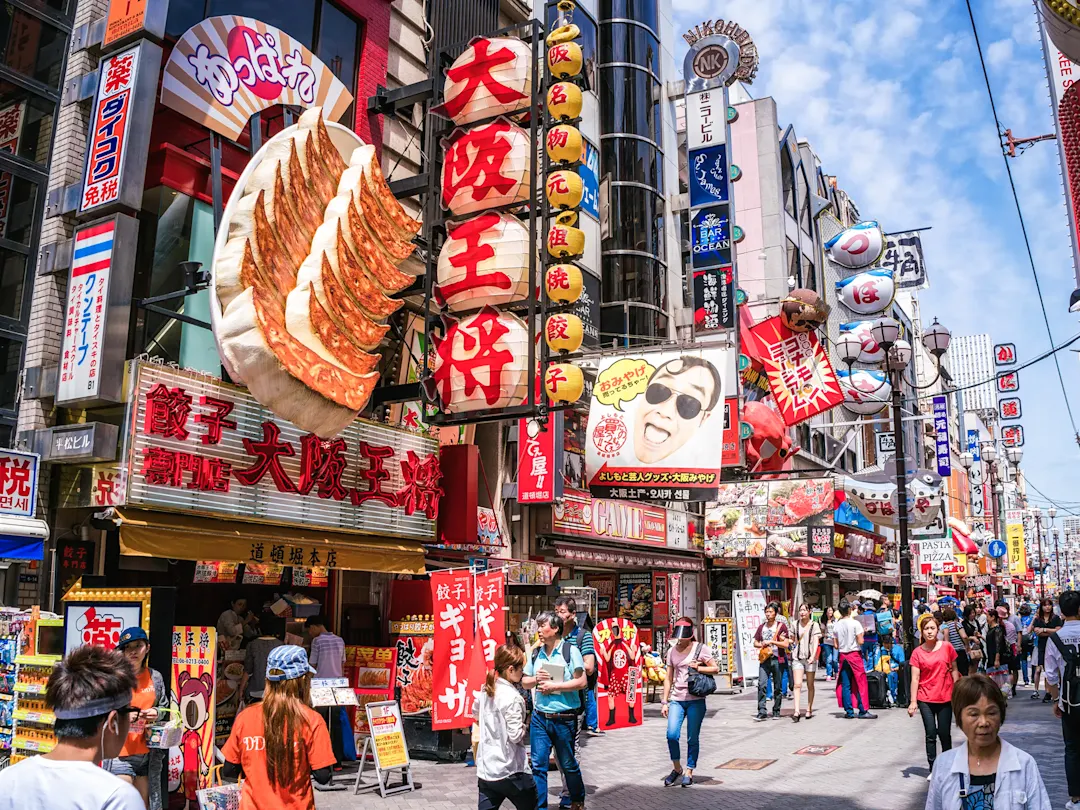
{"x": 972, "y": 360}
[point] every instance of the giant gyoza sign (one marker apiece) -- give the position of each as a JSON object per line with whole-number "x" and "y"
{"x": 197, "y": 445}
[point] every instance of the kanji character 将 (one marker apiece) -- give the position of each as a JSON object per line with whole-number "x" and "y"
{"x": 421, "y": 491}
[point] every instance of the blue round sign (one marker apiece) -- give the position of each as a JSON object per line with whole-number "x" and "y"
{"x": 996, "y": 548}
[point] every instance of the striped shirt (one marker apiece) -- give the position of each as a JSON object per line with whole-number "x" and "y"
{"x": 328, "y": 655}
{"x": 953, "y": 629}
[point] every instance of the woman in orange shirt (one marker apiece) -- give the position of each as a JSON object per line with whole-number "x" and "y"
{"x": 281, "y": 743}
{"x": 138, "y": 764}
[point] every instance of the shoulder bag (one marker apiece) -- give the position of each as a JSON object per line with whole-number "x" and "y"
{"x": 698, "y": 684}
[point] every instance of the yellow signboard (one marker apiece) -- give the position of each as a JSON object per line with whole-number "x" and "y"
{"x": 388, "y": 734}
{"x": 1014, "y": 539}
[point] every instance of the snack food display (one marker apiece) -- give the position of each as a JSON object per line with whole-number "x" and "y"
{"x": 304, "y": 265}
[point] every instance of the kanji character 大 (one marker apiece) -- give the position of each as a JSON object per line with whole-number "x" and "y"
{"x": 267, "y": 454}
{"x": 479, "y": 73}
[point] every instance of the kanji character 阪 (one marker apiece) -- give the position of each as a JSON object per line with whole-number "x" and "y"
{"x": 167, "y": 412}
{"x": 421, "y": 491}
{"x": 472, "y": 232}
{"x": 268, "y": 455}
{"x": 475, "y": 161}
{"x": 477, "y": 74}
{"x": 470, "y": 346}
{"x": 375, "y": 474}
{"x": 322, "y": 462}
{"x": 215, "y": 420}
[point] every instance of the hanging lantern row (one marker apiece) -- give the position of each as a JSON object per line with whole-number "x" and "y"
{"x": 564, "y": 191}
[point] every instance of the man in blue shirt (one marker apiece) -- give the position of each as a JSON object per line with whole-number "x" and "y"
{"x": 558, "y": 705}
{"x": 566, "y": 609}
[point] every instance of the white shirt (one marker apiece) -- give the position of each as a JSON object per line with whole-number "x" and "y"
{"x": 501, "y": 721}
{"x": 1018, "y": 785}
{"x": 1069, "y": 633}
{"x": 847, "y": 634}
{"x": 45, "y": 784}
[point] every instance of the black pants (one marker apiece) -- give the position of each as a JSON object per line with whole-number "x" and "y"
{"x": 1070, "y": 731}
{"x": 937, "y": 723}
{"x": 963, "y": 663}
{"x": 336, "y": 730}
{"x": 520, "y": 789}
{"x": 770, "y": 668}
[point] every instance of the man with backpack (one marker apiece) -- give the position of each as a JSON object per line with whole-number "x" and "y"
{"x": 582, "y": 637}
{"x": 557, "y": 671}
{"x": 1063, "y": 685}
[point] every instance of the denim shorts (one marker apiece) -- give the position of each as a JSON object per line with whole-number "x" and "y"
{"x": 131, "y": 766}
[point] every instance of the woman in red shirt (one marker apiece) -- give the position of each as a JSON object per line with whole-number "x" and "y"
{"x": 933, "y": 673}
{"x": 282, "y": 742}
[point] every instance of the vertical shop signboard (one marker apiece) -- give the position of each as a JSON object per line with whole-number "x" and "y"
{"x": 941, "y": 431}
{"x": 619, "y": 667}
{"x": 1014, "y": 538}
{"x": 194, "y": 677}
{"x": 539, "y": 460}
{"x": 660, "y": 599}
{"x": 490, "y": 590}
{"x": 12, "y": 118}
{"x": 749, "y": 613}
{"x": 455, "y": 638}
{"x": 719, "y": 635}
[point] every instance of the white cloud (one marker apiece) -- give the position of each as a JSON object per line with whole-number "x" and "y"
{"x": 1000, "y": 53}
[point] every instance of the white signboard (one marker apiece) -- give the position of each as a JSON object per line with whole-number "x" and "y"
{"x": 886, "y": 443}
{"x": 99, "y": 624}
{"x": 706, "y": 119}
{"x": 749, "y": 614}
{"x": 87, "y": 309}
{"x": 936, "y": 552}
{"x": 678, "y": 535}
{"x": 18, "y": 483}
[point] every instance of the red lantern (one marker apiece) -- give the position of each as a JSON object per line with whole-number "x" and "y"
{"x": 486, "y": 166}
{"x": 491, "y": 77}
{"x": 482, "y": 362}
{"x": 484, "y": 261}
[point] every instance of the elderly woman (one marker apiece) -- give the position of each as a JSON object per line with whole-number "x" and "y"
{"x": 985, "y": 771}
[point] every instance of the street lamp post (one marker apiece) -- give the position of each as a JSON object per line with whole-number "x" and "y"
{"x": 898, "y": 353}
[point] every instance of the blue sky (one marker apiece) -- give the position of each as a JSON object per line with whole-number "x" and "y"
{"x": 891, "y": 97}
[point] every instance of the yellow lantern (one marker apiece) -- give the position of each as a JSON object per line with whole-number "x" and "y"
{"x": 563, "y": 283}
{"x": 564, "y": 241}
{"x": 564, "y": 382}
{"x": 565, "y": 189}
{"x": 564, "y": 333}
{"x": 564, "y": 101}
{"x": 878, "y": 550}
{"x": 564, "y": 144}
{"x": 565, "y": 59}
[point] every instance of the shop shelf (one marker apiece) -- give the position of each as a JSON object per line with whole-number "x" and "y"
{"x": 42, "y": 746}
{"x": 32, "y": 716}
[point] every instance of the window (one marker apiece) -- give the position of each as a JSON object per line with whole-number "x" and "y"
{"x": 26, "y": 123}
{"x": 630, "y": 103}
{"x": 12, "y": 280}
{"x": 644, "y": 11}
{"x": 10, "y": 361}
{"x": 637, "y": 220}
{"x": 32, "y": 47}
{"x": 624, "y": 42}
{"x": 633, "y": 159}
{"x": 787, "y": 178}
{"x": 339, "y": 37}
{"x": 634, "y": 278}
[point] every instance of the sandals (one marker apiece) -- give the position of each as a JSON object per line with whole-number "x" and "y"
{"x": 795, "y": 718}
{"x": 809, "y": 714}
{"x": 672, "y": 778}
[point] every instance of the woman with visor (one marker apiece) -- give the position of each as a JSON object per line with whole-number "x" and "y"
{"x": 679, "y": 704}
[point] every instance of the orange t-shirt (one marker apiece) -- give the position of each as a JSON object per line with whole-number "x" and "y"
{"x": 144, "y": 697}
{"x": 247, "y": 746}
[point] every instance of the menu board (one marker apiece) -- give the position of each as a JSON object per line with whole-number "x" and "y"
{"x": 768, "y": 518}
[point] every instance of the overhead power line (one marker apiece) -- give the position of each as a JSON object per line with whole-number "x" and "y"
{"x": 1020, "y": 216}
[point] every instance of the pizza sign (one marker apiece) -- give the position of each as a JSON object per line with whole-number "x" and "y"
{"x": 1008, "y": 381}
{"x": 1009, "y": 408}
{"x": 1005, "y": 354}
{"x": 1013, "y": 436}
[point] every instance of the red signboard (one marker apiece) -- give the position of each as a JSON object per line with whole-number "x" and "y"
{"x": 801, "y": 378}
{"x": 536, "y": 462}
{"x": 730, "y": 455}
{"x": 619, "y": 689}
{"x": 580, "y": 515}
{"x": 857, "y": 545}
{"x": 455, "y": 638}
{"x": 490, "y": 590}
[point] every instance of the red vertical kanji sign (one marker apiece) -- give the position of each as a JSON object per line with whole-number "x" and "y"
{"x": 455, "y": 637}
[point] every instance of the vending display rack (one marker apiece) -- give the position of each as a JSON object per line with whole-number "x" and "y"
{"x": 32, "y": 731}
{"x": 9, "y": 649}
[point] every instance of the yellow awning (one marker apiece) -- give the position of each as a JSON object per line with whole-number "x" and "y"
{"x": 185, "y": 537}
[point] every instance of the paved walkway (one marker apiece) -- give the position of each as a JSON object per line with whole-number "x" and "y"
{"x": 879, "y": 764}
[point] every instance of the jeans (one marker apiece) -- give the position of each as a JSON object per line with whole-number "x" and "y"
{"x": 1070, "y": 731}
{"x": 592, "y": 716}
{"x": 693, "y": 711}
{"x": 785, "y": 679}
{"x": 519, "y": 789}
{"x": 937, "y": 723}
{"x": 770, "y": 669}
{"x": 1024, "y": 667}
{"x": 545, "y": 734}
{"x": 832, "y": 659}
{"x": 894, "y": 684}
{"x": 870, "y": 654}
{"x": 845, "y": 692}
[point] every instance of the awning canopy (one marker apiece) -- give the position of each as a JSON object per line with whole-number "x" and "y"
{"x": 22, "y": 538}
{"x": 789, "y": 567}
{"x": 185, "y": 537}
{"x": 626, "y": 558}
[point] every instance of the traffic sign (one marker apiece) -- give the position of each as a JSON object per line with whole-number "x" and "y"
{"x": 996, "y": 549}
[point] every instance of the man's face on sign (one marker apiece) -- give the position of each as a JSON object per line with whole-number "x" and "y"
{"x": 676, "y": 403}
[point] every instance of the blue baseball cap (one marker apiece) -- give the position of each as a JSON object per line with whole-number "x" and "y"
{"x": 286, "y": 663}
{"x": 130, "y": 635}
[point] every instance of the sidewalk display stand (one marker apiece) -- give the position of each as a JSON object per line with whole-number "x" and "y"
{"x": 31, "y": 722}
{"x": 332, "y": 693}
{"x": 387, "y": 743}
{"x": 719, "y": 636}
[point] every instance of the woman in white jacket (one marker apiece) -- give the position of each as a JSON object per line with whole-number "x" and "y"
{"x": 501, "y": 772}
{"x": 985, "y": 772}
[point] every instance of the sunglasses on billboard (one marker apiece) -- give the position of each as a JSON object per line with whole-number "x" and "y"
{"x": 687, "y": 406}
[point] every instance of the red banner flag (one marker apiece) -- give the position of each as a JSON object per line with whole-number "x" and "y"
{"x": 800, "y": 375}
{"x": 490, "y": 613}
{"x": 455, "y": 636}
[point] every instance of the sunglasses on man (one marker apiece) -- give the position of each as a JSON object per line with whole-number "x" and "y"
{"x": 687, "y": 406}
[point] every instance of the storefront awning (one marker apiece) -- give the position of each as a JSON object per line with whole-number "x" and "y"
{"x": 22, "y": 538}
{"x": 790, "y": 567}
{"x": 185, "y": 537}
{"x": 853, "y": 574}
{"x": 625, "y": 558}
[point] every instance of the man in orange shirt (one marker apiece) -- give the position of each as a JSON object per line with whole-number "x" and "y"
{"x": 281, "y": 743}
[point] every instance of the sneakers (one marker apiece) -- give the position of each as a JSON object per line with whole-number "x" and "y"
{"x": 687, "y": 780}
{"x": 594, "y": 732}
{"x": 762, "y": 716}
{"x": 1035, "y": 695}
{"x": 1071, "y": 805}
{"x": 776, "y": 715}
{"x": 849, "y": 715}
{"x": 867, "y": 716}
{"x": 1047, "y": 699}
{"x": 930, "y": 776}
{"x": 672, "y": 778}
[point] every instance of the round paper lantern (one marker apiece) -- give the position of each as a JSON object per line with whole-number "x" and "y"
{"x": 1062, "y": 21}
{"x": 563, "y": 283}
{"x": 564, "y": 382}
{"x": 867, "y": 293}
{"x": 486, "y": 166}
{"x": 491, "y": 77}
{"x": 564, "y": 240}
{"x": 564, "y": 143}
{"x": 481, "y": 362}
{"x": 564, "y": 101}
{"x": 871, "y": 349}
{"x": 803, "y": 311}
{"x": 859, "y": 246}
{"x": 565, "y": 59}
{"x": 484, "y": 261}
{"x": 866, "y": 392}
{"x": 564, "y": 333}
{"x": 565, "y": 189}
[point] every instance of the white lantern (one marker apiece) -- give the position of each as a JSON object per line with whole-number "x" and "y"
{"x": 491, "y": 77}
{"x": 1062, "y": 21}
{"x": 859, "y": 246}
{"x": 865, "y": 391}
{"x": 484, "y": 261}
{"x": 867, "y": 293}
{"x": 486, "y": 166}
{"x": 482, "y": 362}
{"x": 871, "y": 349}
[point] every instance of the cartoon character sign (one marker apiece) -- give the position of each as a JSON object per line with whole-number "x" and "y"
{"x": 619, "y": 657}
{"x": 770, "y": 445}
{"x": 193, "y": 680}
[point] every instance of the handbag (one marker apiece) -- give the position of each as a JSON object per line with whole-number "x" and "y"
{"x": 699, "y": 684}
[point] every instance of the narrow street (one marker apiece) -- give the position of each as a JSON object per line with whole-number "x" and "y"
{"x": 878, "y": 764}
